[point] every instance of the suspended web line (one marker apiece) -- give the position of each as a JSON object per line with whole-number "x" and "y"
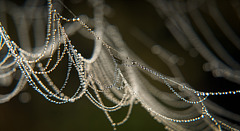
{"x": 181, "y": 26}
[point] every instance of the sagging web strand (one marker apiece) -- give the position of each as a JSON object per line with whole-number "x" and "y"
{"x": 120, "y": 80}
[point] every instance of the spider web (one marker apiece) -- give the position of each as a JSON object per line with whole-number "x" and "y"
{"x": 114, "y": 71}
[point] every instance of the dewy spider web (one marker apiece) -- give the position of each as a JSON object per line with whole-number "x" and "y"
{"x": 116, "y": 72}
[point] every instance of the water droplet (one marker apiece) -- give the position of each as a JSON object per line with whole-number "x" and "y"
{"x": 134, "y": 62}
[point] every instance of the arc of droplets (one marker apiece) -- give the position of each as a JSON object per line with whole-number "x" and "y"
{"x": 123, "y": 85}
{"x": 178, "y": 23}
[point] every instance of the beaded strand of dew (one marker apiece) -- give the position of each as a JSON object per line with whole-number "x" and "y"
{"x": 117, "y": 107}
{"x": 165, "y": 79}
{"x": 204, "y": 110}
{"x": 42, "y": 54}
{"x": 25, "y": 69}
{"x": 162, "y": 116}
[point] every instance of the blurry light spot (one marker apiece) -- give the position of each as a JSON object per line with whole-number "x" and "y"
{"x": 156, "y": 49}
{"x": 216, "y": 73}
{"x": 173, "y": 59}
{"x": 24, "y": 97}
{"x": 6, "y": 81}
{"x": 206, "y": 67}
